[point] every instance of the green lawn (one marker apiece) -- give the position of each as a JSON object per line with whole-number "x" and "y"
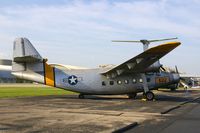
{"x": 10, "y": 92}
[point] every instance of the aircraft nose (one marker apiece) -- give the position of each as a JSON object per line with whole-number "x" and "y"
{"x": 176, "y": 77}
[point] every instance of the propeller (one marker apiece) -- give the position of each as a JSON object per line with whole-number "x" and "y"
{"x": 145, "y": 42}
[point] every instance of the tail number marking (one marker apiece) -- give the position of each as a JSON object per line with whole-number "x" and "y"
{"x": 162, "y": 80}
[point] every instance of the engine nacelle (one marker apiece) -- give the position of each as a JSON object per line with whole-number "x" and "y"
{"x": 154, "y": 67}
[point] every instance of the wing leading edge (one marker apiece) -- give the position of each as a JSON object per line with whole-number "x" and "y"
{"x": 142, "y": 61}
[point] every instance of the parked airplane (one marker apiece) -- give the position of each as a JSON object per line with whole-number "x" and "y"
{"x": 139, "y": 74}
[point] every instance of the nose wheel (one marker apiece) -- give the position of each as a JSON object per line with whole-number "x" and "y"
{"x": 149, "y": 96}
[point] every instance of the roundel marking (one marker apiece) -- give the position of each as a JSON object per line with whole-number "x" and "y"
{"x": 72, "y": 80}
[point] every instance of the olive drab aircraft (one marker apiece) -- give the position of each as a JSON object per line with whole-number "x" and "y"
{"x": 138, "y": 74}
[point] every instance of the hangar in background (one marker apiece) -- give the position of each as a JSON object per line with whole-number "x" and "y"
{"x": 5, "y": 73}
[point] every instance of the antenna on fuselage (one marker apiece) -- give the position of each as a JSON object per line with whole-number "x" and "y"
{"x": 145, "y": 42}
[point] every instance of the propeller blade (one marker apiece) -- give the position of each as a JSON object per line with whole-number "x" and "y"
{"x": 142, "y": 41}
{"x": 125, "y": 41}
{"x": 176, "y": 69}
{"x": 163, "y": 39}
{"x": 162, "y": 68}
{"x": 145, "y": 42}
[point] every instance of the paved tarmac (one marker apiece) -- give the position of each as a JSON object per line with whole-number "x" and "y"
{"x": 172, "y": 112}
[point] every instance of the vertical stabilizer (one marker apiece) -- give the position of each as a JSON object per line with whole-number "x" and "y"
{"x": 28, "y": 63}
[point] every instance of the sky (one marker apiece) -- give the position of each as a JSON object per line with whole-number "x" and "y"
{"x": 79, "y": 32}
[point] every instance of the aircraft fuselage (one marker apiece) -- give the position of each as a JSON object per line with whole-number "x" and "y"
{"x": 90, "y": 81}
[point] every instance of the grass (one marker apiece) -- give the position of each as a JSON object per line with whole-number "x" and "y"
{"x": 11, "y": 92}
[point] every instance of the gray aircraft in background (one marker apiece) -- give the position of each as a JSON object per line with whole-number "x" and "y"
{"x": 138, "y": 74}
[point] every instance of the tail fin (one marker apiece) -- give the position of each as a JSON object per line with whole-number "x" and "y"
{"x": 28, "y": 63}
{"x": 23, "y": 51}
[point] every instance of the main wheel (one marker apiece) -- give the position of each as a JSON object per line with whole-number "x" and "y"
{"x": 81, "y": 96}
{"x": 132, "y": 95}
{"x": 149, "y": 95}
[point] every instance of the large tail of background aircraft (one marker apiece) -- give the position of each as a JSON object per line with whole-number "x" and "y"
{"x": 28, "y": 63}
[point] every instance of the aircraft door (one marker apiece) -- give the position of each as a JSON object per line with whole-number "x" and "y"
{"x": 150, "y": 80}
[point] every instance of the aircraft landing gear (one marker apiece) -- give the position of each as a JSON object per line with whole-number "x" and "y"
{"x": 132, "y": 95}
{"x": 149, "y": 96}
{"x": 81, "y": 96}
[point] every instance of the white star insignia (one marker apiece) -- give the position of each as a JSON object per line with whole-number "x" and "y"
{"x": 73, "y": 80}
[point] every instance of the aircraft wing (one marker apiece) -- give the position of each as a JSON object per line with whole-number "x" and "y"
{"x": 142, "y": 61}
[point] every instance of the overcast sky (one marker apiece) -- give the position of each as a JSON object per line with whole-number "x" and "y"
{"x": 79, "y": 32}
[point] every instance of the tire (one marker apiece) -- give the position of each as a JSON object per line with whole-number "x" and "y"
{"x": 149, "y": 96}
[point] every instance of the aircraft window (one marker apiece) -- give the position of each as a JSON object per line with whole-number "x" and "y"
{"x": 134, "y": 80}
{"x": 140, "y": 80}
{"x": 111, "y": 82}
{"x": 103, "y": 83}
{"x": 126, "y": 81}
{"x": 148, "y": 79}
{"x": 119, "y": 82}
